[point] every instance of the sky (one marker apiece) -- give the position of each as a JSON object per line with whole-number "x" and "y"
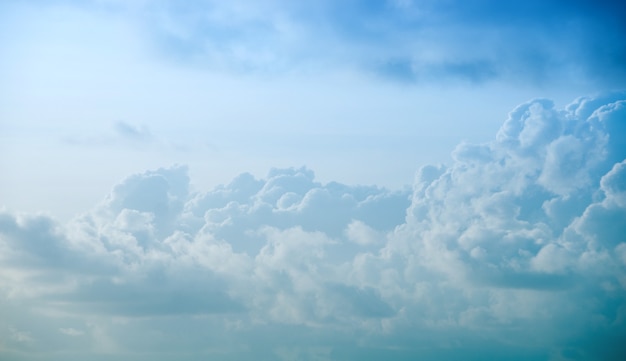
{"x": 312, "y": 180}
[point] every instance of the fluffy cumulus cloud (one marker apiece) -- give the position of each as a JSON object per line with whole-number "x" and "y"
{"x": 515, "y": 250}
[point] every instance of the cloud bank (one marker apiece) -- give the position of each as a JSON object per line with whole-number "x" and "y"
{"x": 516, "y": 250}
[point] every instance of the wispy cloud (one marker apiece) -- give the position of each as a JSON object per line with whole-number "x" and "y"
{"x": 536, "y": 42}
{"x": 71, "y": 331}
{"x": 133, "y": 133}
{"x": 122, "y": 133}
{"x": 476, "y": 41}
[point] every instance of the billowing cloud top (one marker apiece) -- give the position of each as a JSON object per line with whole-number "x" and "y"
{"x": 516, "y": 250}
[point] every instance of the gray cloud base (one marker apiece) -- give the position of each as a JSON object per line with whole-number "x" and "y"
{"x": 514, "y": 251}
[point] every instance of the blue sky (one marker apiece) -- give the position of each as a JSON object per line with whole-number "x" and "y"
{"x": 313, "y": 180}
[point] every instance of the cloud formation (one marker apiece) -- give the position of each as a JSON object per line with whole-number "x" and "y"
{"x": 516, "y": 250}
{"x": 428, "y": 41}
{"x": 414, "y": 41}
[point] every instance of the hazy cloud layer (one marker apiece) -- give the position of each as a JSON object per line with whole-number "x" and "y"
{"x": 516, "y": 250}
{"x": 414, "y": 41}
{"x": 411, "y": 41}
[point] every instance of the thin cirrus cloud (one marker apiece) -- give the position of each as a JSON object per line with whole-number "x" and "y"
{"x": 515, "y": 250}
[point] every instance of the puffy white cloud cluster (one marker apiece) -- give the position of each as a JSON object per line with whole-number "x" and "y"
{"x": 516, "y": 248}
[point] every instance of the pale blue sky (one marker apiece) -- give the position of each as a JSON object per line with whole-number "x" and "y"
{"x": 312, "y": 180}
{"x": 360, "y": 92}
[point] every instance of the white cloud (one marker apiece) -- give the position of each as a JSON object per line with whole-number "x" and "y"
{"x": 519, "y": 240}
{"x": 614, "y": 186}
{"x": 362, "y": 234}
